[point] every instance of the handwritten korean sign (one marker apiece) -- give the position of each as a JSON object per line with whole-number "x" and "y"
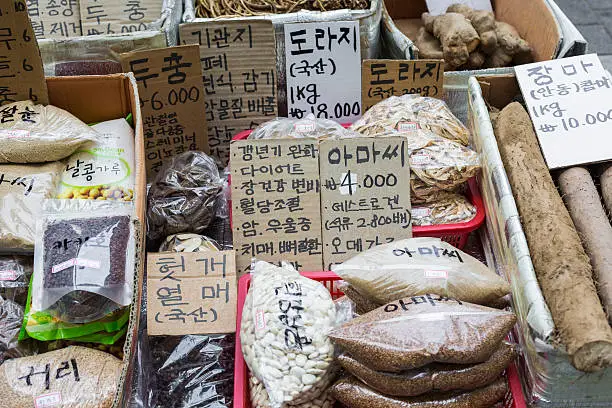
{"x": 276, "y": 202}
{"x": 365, "y": 195}
{"x": 381, "y": 79}
{"x": 239, "y": 72}
{"x": 323, "y": 70}
{"x": 55, "y": 18}
{"x": 172, "y": 101}
{"x": 191, "y": 293}
{"x": 570, "y": 104}
{"x": 118, "y": 16}
{"x": 21, "y": 70}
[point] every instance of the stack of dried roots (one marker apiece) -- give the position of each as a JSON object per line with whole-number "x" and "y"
{"x": 471, "y": 39}
{"x": 233, "y": 8}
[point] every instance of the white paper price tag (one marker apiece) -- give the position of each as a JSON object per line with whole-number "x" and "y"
{"x": 570, "y": 104}
{"x": 437, "y": 7}
{"x": 324, "y": 70}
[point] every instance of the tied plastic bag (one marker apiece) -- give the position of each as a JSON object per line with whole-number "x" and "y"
{"x": 32, "y": 133}
{"x": 184, "y": 196}
{"x": 449, "y": 208}
{"x": 309, "y": 127}
{"x": 419, "y": 330}
{"x": 418, "y": 266}
{"x": 284, "y": 337}
{"x": 83, "y": 260}
{"x": 410, "y": 112}
{"x": 73, "y": 377}
{"x": 353, "y": 393}
{"x": 21, "y": 196}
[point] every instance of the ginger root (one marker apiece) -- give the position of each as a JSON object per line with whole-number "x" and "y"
{"x": 477, "y": 60}
{"x": 483, "y": 22}
{"x": 457, "y": 36}
{"x": 428, "y": 45}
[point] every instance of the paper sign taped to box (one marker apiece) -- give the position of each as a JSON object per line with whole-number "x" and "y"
{"x": 100, "y": 17}
{"x": 55, "y": 19}
{"x": 365, "y": 195}
{"x": 381, "y": 79}
{"x": 22, "y": 69}
{"x": 276, "y": 203}
{"x": 570, "y": 104}
{"x": 191, "y": 293}
{"x": 172, "y": 100}
{"x": 239, "y": 70}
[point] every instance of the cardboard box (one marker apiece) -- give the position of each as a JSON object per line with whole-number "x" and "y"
{"x": 548, "y": 377}
{"x": 96, "y": 99}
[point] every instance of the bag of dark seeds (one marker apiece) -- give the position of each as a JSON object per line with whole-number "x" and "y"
{"x": 83, "y": 260}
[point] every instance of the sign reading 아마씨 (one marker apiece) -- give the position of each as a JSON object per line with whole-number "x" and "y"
{"x": 191, "y": 293}
{"x": 100, "y": 17}
{"x": 365, "y": 195}
{"x": 239, "y": 72}
{"x": 172, "y": 101}
{"x": 381, "y": 79}
{"x": 570, "y": 104}
{"x": 276, "y": 202}
{"x": 323, "y": 72}
{"x": 437, "y": 7}
{"x": 21, "y": 70}
{"x": 55, "y": 19}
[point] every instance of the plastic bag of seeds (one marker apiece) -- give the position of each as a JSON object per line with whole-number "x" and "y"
{"x": 83, "y": 259}
{"x": 22, "y": 190}
{"x": 417, "y": 266}
{"x": 451, "y": 208}
{"x": 189, "y": 243}
{"x": 284, "y": 334}
{"x": 193, "y": 370}
{"x": 32, "y": 133}
{"x": 103, "y": 170}
{"x": 15, "y": 274}
{"x": 419, "y": 330}
{"x": 410, "y": 112}
{"x": 353, "y": 393}
{"x": 433, "y": 377}
{"x": 184, "y": 196}
{"x": 73, "y": 377}
{"x": 11, "y": 318}
{"x": 309, "y": 127}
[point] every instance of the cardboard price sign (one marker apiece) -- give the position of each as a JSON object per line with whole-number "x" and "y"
{"x": 437, "y": 7}
{"x": 276, "y": 204}
{"x": 381, "y": 79}
{"x": 570, "y": 104}
{"x": 322, "y": 70}
{"x": 365, "y": 195}
{"x": 191, "y": 293}
{"x": 118, "y": 16}
{"x": 239, "y": 70}
{"x": 55, "y": 19}
{"x": 21, "y": 71}
{"x": 172, "y": 101}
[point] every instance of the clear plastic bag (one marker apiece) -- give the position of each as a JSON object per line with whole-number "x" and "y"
{"x": 449, "y": 208}
{"x": 309, "y": 127}
{"x": 32, "y": 133}
{"x": 410, "y": 112}
{"x": 15, "y": 271}
{"x": 420, "y": 330}
{"x": 417, "y": 266}
{"x": 72, "y": 377}
{"x": 11, "y": 318}
{"x": 21, "y": 196}
{"x": 83, "y": 259}
{"x": 184, "y": 196}
{"x": 188, "y": 243}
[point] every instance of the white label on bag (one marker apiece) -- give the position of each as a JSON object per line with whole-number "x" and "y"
{"x": 436, "y": 274}
{"x": 408, "y": 126}
{"x": 89, "y": 263}
{"x": 8, "y": 275}
{"x": 420, "y": 212}
{"x": 14, "y": 133}
{"x": 48, "y": 400}
{"x": 260, "y": 320}
{"x": 420, "y": 158}
{"x": 304, "y": 127}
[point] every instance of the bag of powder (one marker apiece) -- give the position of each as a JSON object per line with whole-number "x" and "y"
{"x": 418, "y": 266}
{"x": 433, "y": 377}
{"x": 32, "y": 133}
{"x": 22, "y": 191}
{"x": 83, "y": 259}
{"x": 284, "y": 330}
{"x": 420, "y": 330}
{"x": 73, "y": 377}
{"x": 353, "y": 393}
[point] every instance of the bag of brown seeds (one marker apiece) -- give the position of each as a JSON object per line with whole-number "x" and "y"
{"x": 419, "y": 330}
{"x": 433, "y": 377}
{"x": 353, "y": 393}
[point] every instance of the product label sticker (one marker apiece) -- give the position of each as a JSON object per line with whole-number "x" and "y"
{"x": 91, "y": 169}
{"x": 8, "y": 275}
{"x": 304, "y": 127}
{"x": 421, "y": 212}
{"x": 14, "y": 133}
{"x": 408, "y": 126}
{"x": 48, "y": 400}
{"x": 89, "y": 263}
{"x": 436, "y": 274}
{"x": 420, "y": 158}
{"x": 260, "y": 320}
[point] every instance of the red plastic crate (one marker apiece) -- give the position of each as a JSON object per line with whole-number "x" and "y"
{"x": 514, "y": 399}
{"x": 455, "y": 234}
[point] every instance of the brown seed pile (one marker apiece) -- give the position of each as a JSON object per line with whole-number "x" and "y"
{"x": 433, "y": 377}
{"x": 233, "y": 8}
{"x": 353, "y": 393}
